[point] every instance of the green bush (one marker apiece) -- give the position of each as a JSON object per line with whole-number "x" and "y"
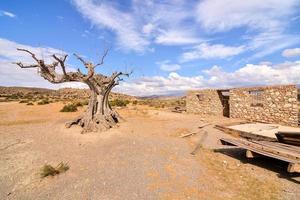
{"x": 69, "y": 108}
{"x": 48, "y": 170}
{"x": 119, "y": 102}
{"x": 43, "y": 102}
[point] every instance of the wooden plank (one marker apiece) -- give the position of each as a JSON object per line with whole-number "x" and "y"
{"x": 289, "y": 137}
{"x": 283, "y": 146}
{"x": 240, "y": 143}
{"x": 277, "y": 149}
{"x": 272, "y": 149}
{"x": 243, "y": 134}
{"x": 199, "y": 145}
{"x": 203, "y": 125}
{"x": 188, "y": 134}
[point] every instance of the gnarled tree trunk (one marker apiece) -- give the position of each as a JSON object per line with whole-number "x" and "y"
{"x": 99, "y": 115}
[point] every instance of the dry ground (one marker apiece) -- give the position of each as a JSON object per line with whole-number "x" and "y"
{"x": 143, "y": 158}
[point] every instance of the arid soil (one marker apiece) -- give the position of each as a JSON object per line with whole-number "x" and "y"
{"x": 143, "y": 158}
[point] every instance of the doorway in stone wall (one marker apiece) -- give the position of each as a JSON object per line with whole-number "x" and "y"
{"x": 224, "y": 98}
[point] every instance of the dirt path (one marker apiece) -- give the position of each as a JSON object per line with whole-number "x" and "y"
{"x": 142, "y": 159}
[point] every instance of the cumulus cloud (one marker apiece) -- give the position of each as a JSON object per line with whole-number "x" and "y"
{"x": 291, "y": 52}
{"x": 166, "y": 65}
{"x": 207, "y": 51}
{"x": 7, "y": 14}
{"x": 215, "y": 77}
{"x": 12, "y": 75}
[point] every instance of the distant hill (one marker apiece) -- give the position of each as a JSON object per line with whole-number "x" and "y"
{"x": 65, "y": 93}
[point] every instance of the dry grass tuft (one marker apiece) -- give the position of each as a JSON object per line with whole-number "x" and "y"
{"x": 48, "y": 170}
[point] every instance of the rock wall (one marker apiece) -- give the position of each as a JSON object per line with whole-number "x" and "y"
{"x": 204, "y": 102}
{"x": 271, "y": 104}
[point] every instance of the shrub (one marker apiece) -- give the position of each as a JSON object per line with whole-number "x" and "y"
{"x": 48, "y": 170}
{"x": 85, "y": 102}
{"x": 43, "y": 102}
{"x": 69, "y": 108}
{"x": 29, "y": 104}
{"x": 134, "y": 102}
{"x": 119, "y": 102}
{"x": 23, "y": 101}
{"x": 78, "y": 104}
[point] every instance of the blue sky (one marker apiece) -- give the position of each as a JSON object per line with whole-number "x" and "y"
{"x": 171, "y": 46}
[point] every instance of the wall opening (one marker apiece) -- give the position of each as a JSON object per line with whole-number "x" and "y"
{"x": 224, "y": 98}
{"x": 256, "y": 98}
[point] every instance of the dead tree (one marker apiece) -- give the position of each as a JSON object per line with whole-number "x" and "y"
{"x": 99, "y": 115}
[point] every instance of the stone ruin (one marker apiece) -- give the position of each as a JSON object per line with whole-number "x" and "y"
{"x": 269, "y": 104}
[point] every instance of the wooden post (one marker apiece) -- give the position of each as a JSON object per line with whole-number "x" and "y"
{"x": 251, "y": 154}
{"x": 293, "y": 167}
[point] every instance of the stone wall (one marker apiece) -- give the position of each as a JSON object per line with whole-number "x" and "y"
{"x": 271, "y": 104}
{"x": 204, "y": 102}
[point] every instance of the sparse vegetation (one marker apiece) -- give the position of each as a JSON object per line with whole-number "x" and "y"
{"x": 69, "y": 108}
{"x": 23, "y": 101}
{"x": 78, "y": 104}
{"x": 48, "y": 170}
{"x": 43, "y": 102}
{"x": 29, "y": 104}
{"x": 119, "y": 102}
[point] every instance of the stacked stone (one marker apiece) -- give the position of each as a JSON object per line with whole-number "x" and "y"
{"x": 209, "y": 102}
{"x": 279, "y": 105}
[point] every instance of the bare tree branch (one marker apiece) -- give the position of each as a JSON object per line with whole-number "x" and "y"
{"x": 32, "y": 54}
{"x": 23, "y": 66}
{"x": 102, "y": 59}
{"x": 80, "y": 58}
{"x": 62, "y": 63}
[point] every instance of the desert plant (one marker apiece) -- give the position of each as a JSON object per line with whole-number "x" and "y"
{"x": 119, "y": 102}
{"x": 85, "y": 102}
{"x": 69, "y": 108}
{"x": 78, "y": 104}
{"x": 48, "y": 170}
{"x": 29, "y": 104}
{"x": 43, "y": 102}
{"x": 134, "y": 102}
{"x": 23, "y": 101}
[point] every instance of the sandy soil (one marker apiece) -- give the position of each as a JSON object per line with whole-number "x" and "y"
{"x": 143, "y": 158}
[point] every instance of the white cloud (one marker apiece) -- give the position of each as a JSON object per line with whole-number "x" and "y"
{"x": 7, "y": 14}
{"x": 123, "y": 24}
{"x": 224, "y": 15}
{"x": 142, "y": 23}
{"x": 215, "y": 77}
{"x": 207, "y": 51}
{"x": 176, "y": 22}
{"x": 291, "y": 52}
{"x": 265, "y": 21}
{"x": 267, "y": 43}
{"x": 167, "y": 66}
{"x": 8, "y": 51}
{"x": 176, "y": 37}
{"x": 13, "y": 75}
